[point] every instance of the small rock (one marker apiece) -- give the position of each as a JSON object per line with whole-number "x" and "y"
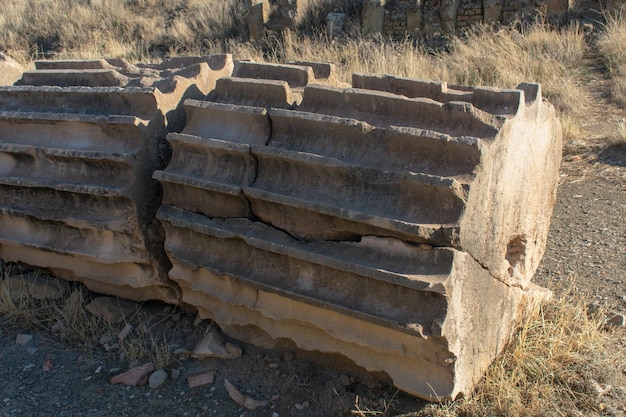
{"x": 110, "y": 309}
{"x": 242, "y": 399}
{"x": 133, "y": 364}
{"x": 200, "y": 379}
{"x": 213, "y": 345}
{"x": 299, "y": 407}
{"x": 157, "y": 379}
{"x": 134, "y": 376}
{"x": 125, "y": 331}
{"x": 599, "y": 389}
{"x": 98, "y": 369}
{"x": 31, "y": 350}
{"x": 175, "y": 374}
{"x": 109, "y": 347}
{"x": 23, "y": 339}
{"x": 106, "y": 339}
{"x": 182, "y": 353}
{"x": 593, "y": 308}
{"x": 617, "y": 320}
{"x": 47, "y": 366}
{"x": 275, "y": 414}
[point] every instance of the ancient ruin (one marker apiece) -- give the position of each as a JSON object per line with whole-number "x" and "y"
{"x": 396, "y": 222}
{"x": 79, "y": 143}
{"x": 401, "y": 18}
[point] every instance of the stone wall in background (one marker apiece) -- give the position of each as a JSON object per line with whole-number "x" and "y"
{"x": 401, "y": 18}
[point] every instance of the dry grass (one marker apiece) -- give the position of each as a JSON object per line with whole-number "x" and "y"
{"x": 555, "y": 366}
{"x": 133, "y": 29}
{"x": 67, "y": 316}
{"x": 67, "y": 320}
{"x": 611, "y": 48}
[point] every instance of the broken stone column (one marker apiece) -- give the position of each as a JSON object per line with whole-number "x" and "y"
{"x": 258, "y": 16}
{"x": 449, "y": 9}
{"x": 373, "y": 16}
{"x": 397, "y": 223}
{"x": 414, "y": 17}
{"x": 79, "y": 141}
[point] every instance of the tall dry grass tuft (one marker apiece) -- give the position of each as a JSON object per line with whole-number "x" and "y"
{"x": 133, "y": 29}
{"x": 556, "y": 365}
{"x": 68, "y": 317}
{"x": 69, "y": 321}
{"x": 613, "y": 52}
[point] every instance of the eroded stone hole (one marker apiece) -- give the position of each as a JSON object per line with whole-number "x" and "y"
{"x": 516, "y": 251}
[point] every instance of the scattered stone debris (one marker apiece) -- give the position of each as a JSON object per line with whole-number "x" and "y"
{"x": 203, "y": 378}
{"x": 23, "y": 339}
{"x": 242, "y": 399}
{"x": 214, "y": 345}
{"x": 157, "y": 379}
{"x": 134, "y": 376}
{"x": 616, "y": 320}
{"x": 47, "y": 366}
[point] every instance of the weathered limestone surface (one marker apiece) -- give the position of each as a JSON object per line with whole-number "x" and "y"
{"x": 79, "y": 141}
{"x": 10, "y": 70}
{"x": 397, "y": 222}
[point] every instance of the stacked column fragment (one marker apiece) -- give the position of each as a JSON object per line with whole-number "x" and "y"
{"x": 79, "y": 141}
{"x": 396, "y": 222}
{"x": 375, "y": 222}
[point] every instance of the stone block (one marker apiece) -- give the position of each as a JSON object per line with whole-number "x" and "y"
{"x": 79, "y": 142}
{"x": 557, "y": 8}
{"x": 10, "y": 70}
{"x": 258, "y": 15}
{"x": 371, "y": 221}
{"x": 334, "y": 23}
{"x": 373, "y": 16}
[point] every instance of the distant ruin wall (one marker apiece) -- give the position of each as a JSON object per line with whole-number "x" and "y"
{"x": 401, "y": 18}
